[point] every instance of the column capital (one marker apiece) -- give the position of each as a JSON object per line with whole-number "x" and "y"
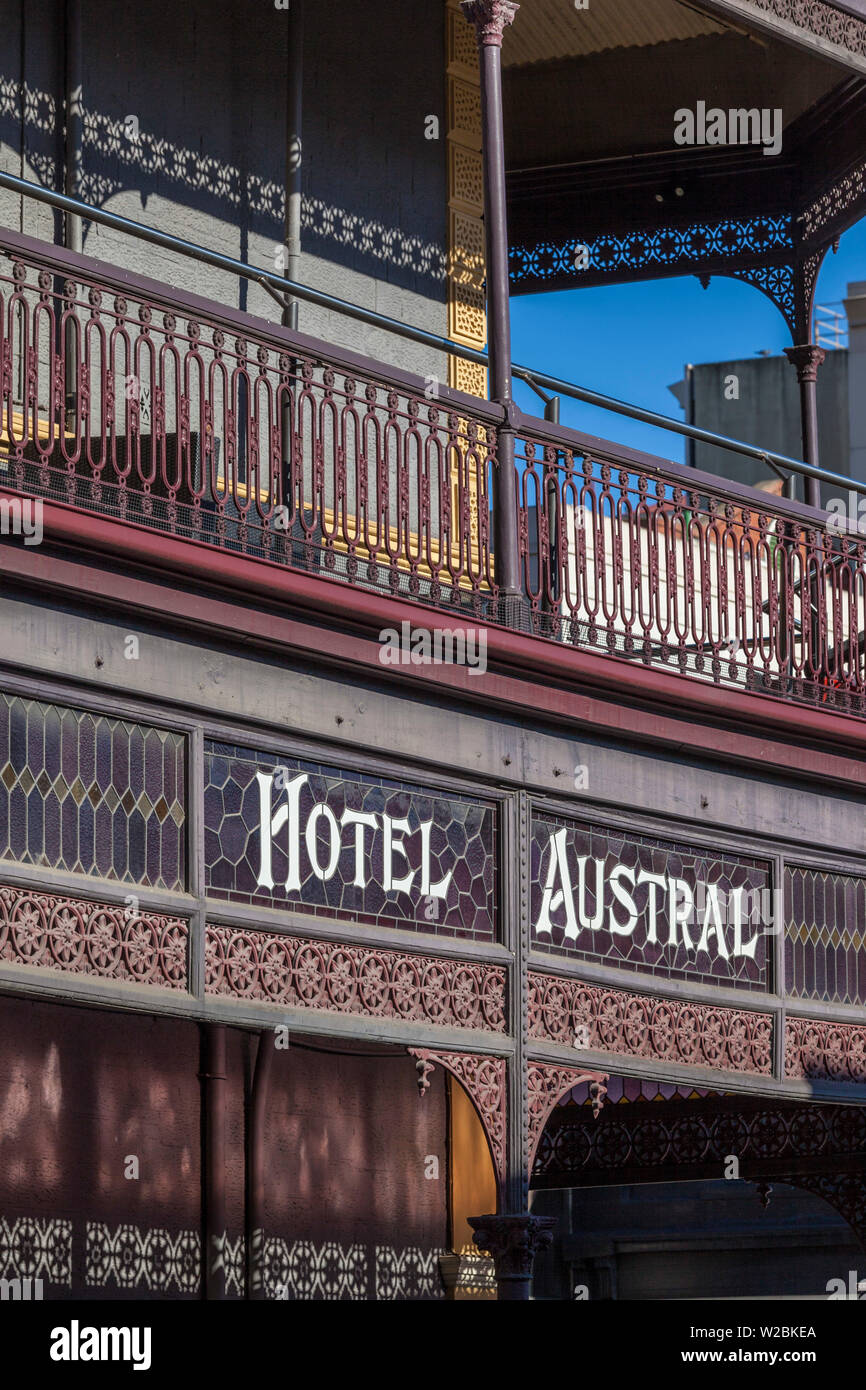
{"x": 513, "y": 1241}
{"x": 490, "y": 18}
{"x": 807, "y": 358}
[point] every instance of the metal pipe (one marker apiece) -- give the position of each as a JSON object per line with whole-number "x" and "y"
{"x": 489, "y": 22}
{"x": 74, "y": 121}
{"x": 691, "y": 462}
{"x": 213, "y": 1078}
{"x": 294, "y": 152}
{"x": 551, "y": 414}
{"x": 419, "y": 335}
{"x": 807, "y": 358}
{"x": 256, "y": 1164}
{"x": 666, "y": 422}
{"x": 73, "y": 234}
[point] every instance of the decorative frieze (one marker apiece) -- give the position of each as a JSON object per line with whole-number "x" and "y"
{"x": 817, "y": 1050}
{"x": 695, "y": 1138}
{"x": 327, "y": 975}
{"x": 597, "y": 1019}
{"x": 58, "y": 932}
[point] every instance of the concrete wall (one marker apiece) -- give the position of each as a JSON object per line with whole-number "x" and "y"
{"x": 855, "y": 309}
{"x": 207, "y": 86}
{"x": 358, "y": 714}
{"x": 766, "y": 413}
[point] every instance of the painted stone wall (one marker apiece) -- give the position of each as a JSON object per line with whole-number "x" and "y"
{"x": 185, "y": 130}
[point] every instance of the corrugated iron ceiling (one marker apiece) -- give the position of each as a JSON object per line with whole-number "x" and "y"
{"x": 548, "y": 29}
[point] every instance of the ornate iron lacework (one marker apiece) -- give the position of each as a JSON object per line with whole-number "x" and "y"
{"x": 846, "y": 1192}
{"x": 547, "y": 1084}
{"x": 91, "y": 795}
{"x": 835, "y": 201}
{"x": 483, "y": 1079}
{"x": 636, "y": 1025}
{"x": 674, "y": 248}
{"x": 327, "y": 975}
{"x": 778, "y": 283}
{"x": 825, "y": 936}
{"x": 462, "y": 841}
{"x": 688, "y": 1134}
{"x": 826, "y": 1051}
{"x": 823, "y": 20}
{"x": 86, "y": 938}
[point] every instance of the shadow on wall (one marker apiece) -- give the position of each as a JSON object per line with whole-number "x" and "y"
{"x": 188, "y": 106}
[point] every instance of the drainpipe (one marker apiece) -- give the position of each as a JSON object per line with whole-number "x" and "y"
{"x": 74, "y": 119}
{"x": 690, "y": 413}
{"x": 73, "y": 227}
{"x": 213, "y": 1079}
{"x": 490, "y": 18}
{"x": 292, "y": 222}
{"x": 294, "y": 126}
{"x": 255, "y": 1233}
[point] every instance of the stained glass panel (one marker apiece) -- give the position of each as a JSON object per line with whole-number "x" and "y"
{"x": 91, "y": 795}
{"x": 666, "y": 908}
{"x": 825, "y": 936}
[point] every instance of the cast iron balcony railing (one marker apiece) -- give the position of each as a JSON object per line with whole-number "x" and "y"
{"x": 149, "y": 405}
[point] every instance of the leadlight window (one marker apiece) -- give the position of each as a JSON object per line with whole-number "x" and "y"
{"x": 91, "y": 795}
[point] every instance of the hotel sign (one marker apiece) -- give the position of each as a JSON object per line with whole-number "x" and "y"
{"x": 285, "y": 833}
{"x": 647, "y": 904}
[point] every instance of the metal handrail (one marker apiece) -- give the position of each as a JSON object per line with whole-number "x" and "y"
{"x": 651, "y": 417}
{"x": 273, "y": 283}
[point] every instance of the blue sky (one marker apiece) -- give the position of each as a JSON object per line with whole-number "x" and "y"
{"x": 632, "y": 341}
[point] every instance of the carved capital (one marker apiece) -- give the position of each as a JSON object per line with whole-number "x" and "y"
{"x": 513, "y": 1241}
{"x": 489, "y": 18}
{"x": 807, "y": 358}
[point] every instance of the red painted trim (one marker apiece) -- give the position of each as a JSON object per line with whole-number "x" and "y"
{"x": 676, "y": 711}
